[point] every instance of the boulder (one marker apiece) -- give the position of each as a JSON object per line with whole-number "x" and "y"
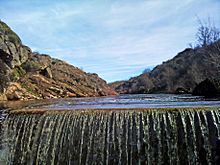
{"x": 46, "y": 72}
{"x": 14, "y": 92}
{"x": 207, "y": 88}
{"x": 3, "y": 97}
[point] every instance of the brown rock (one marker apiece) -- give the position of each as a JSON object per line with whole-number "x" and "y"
{"x": 14, "y": 92}
{"x": 3, "y": 97}
{"x": 69, "y": 94}
{"x": 12, "y": 50}
{"x": 38, "y": 76}
{"x": 47, "y": 72}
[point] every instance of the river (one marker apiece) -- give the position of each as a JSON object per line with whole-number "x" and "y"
{"x": 121, "y": 101}
{"x": 125, "y": 129}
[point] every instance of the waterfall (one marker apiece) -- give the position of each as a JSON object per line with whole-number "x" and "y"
{"x": 112, "y": 137}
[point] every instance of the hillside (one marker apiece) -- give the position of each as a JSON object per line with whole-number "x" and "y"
{"x": 27, "y": 75}
{"x": 178, "y": 75}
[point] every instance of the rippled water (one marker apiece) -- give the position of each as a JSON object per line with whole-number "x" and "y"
{"x": 121, "y": 101}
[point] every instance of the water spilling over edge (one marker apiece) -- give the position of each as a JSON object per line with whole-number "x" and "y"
{"x": 187, "y": 136}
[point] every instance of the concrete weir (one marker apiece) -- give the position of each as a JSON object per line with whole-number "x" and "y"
{"x": 111, "y": 136}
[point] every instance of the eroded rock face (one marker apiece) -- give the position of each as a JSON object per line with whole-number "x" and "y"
{"x": 12, "y": 55}
{"x": 56, "y": 78}
{"x": 27, "y": 75}
{"x": 12, "y": 52}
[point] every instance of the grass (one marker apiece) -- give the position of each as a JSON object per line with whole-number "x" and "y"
{"x": 17, "y": 73}
{"x": 28, "y": 88}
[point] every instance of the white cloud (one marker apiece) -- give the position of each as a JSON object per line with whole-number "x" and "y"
{"x": 116, "y": 39}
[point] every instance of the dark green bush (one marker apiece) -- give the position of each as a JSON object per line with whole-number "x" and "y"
{"x": 17, "y": 73}
{"x": 30, "y": 66}
{"x": 3, "y": 82}
{"x": 3, "y": 76}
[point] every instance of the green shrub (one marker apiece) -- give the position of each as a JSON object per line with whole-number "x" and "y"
{"x": 3, "y": 82}
{"x": 28, "y": 88}
{"x": 17, "y": 73}
{"x": 30, "y": 66}
{"x": 4, "y": 79}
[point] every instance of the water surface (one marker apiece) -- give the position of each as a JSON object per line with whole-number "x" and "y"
{"x": 134, "y": 136}
{"x": 121, "y": 101}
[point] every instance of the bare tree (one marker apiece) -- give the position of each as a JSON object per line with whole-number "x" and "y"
{"x": 207, "y": 33}
{"x": 208, "y": 37}
{"x": 213, "y": 53}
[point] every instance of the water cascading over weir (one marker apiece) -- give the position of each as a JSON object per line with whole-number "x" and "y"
{"x": 160, "y": 136}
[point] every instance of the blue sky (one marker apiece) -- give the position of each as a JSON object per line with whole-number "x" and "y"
{"x": 116, "y": 39}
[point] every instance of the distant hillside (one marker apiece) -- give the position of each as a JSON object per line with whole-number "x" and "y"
{"x": 178, "y": 75}
{"x": 28, "y": 75}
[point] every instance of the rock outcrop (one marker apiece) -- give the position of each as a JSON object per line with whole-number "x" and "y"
{"x": 13, "y": 53}
{"x": 178, "y": 75}
{"x": 27, "y": 75}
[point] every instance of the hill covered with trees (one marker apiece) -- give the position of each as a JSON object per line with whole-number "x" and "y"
{"x": 185, "y": 71}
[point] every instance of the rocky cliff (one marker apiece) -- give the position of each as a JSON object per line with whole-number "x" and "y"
{"x": 28, "y": 75}
{"x": 178, "y": 75}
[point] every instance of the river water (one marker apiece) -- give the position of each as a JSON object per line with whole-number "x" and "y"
{"x": 121, "y": 101}
{"x": 184, "y": 135}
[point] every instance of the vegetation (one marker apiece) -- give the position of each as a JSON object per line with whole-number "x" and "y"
{"x": 147, "y": 70}
{"x": 12, "y": 36}
{"x": 3, "y": 76}
{"x": 28, "y": 88}
{"x": 207, "y": 33}
{"x": 185, "y": 71}
{"x": 3, "y": 82}
{"x": 17, "y": 73}
{"x": 30, "y": 66}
